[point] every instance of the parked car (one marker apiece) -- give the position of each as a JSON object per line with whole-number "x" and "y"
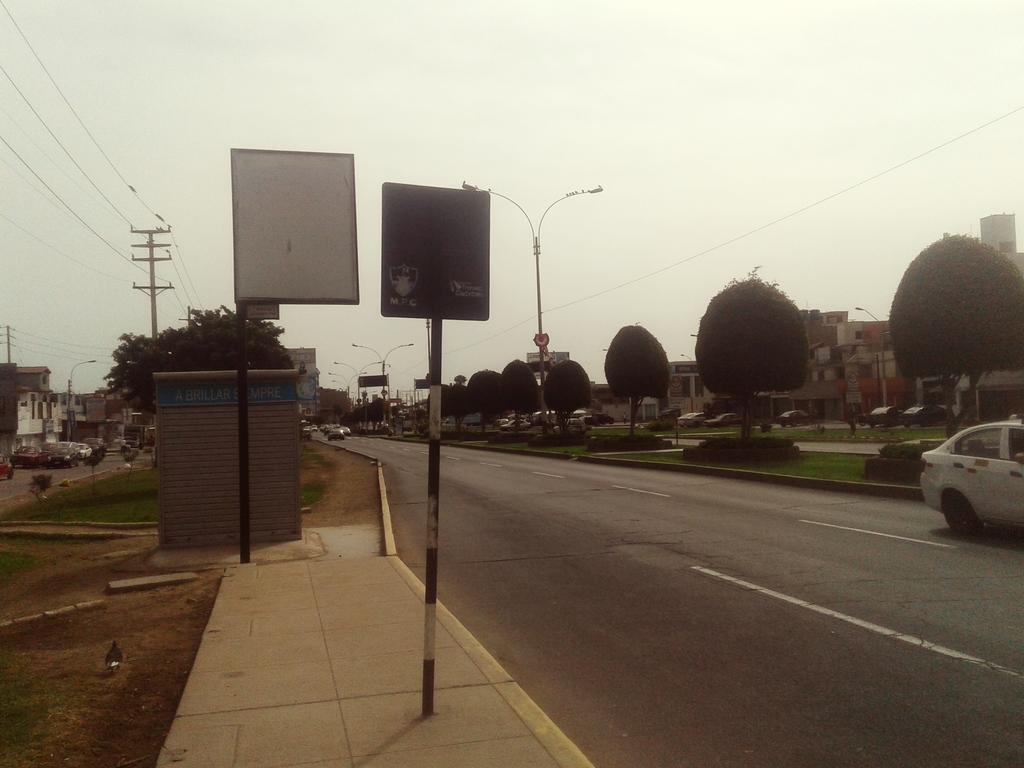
{"x": 336, "y": 434}
{"x": 884, "y": 416}
{"x": 576, "y": 426}
{"x": 691, "y": 420}
{"x": 794, "y": 418}
{"x": 977, "y": 477}
{"x": 345, "y": 431}
{"x": 6, "y": 467}
{"x": 516, "y": 425}
{"x": 62, "y": 455}
{"x": 923, "y": 416}
{"x": 670, "y": 413}
{"x": 602, "y": 419}
{"x": 84, "y": 451}
{"x": 724, "y": 420}
{"x": 29, "y": 457}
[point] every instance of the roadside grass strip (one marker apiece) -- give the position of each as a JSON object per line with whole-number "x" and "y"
{"x": 127, "y": 497}
{"x": 312, "y": 492}
{"x": 869, "y": 626}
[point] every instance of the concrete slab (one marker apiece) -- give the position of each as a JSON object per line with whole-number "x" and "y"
{"x": 368, "y": 614}
{"x": 461, "y": 715}
{"x": 270, "y": 737}
{"x": 271, "y": 686}
{"x": 150, "y": 582}
{"x": 353, "y": 642}
{"x": 352, "y": 541}
{"x": 225, "y": 653}
{"x": 522, "y": 752}
{"x": 403, "y": 672}
{"x": 224, "y": 555}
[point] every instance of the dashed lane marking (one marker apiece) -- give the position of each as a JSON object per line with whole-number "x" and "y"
{"x": 869, "y": 626}
{"x": 545, "y": 474}
{"x": 639, "y": 490}
{"x": 879, "y": 533}
{"x": 491, "y": 465}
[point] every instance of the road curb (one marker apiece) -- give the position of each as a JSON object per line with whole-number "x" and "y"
{"x": 559, "y": 746}
{"x": 842, "y": 486}
{"x": 493, "y": 448}
{"x": 53, "y": 613}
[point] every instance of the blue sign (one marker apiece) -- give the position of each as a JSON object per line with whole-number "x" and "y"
{"x": 222, "y": 393}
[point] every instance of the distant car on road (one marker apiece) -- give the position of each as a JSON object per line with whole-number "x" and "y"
{"x": 977, "y": 477}
{"x": 691, "y": 420}
{"x": 6, "y": 468}
{"x": 724, "y": 420}
{"x": 97, "y": 446}
{"x": 29, "y": 457}
{"x": 336, "y": 434}
{"x": 84, "y": 451}
{"x": 794, "y": 418}
{"x": 923, "y": 416}
{"x": 884, "y": 416}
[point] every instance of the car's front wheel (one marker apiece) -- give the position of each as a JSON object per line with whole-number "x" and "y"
{"x": 960, "y": 515}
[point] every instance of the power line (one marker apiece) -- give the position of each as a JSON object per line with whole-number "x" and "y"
{"x": 54, "y": 248}
{"x": 82, "y": 221}
{"x": 60, "y": 342}
{"x": 184, "y": 266}
{"x": 753, "y": 231}
{"x": 31, "y": 351}
{"x": 61, "y": 145}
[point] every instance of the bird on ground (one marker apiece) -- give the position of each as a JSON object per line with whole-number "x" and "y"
{"x": 114, "y": 657}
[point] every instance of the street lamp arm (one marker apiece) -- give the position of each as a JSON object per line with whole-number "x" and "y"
{"x": 472, "y": 188}
{"x": 566, "y": 196}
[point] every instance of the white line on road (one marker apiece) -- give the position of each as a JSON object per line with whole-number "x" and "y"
{"x": 885, "y": 631}
{"x": 545, "y": 474}
{"x": 879, "y": 533}
{"x": 638, "y": 490}
{"x": 453, "y": 458}
{"x": 490, "y": 465}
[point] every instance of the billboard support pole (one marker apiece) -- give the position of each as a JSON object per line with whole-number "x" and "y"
{"x": 433, "y": 489}
{"x": 243, "y": 434}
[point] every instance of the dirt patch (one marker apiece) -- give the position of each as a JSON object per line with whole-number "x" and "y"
{"x": 79, "y": 715}
{"x": 351, "y": 495}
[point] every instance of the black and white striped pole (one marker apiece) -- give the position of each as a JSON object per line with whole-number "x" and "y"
{"x": 433, "y": 494}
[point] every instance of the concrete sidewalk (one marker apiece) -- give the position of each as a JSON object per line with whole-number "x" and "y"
{"x": 319, "y": 663}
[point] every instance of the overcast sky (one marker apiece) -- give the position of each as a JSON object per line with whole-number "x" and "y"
{"x": 703, "y": 122}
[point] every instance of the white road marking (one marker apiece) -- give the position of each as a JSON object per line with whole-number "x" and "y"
{"x": 453, "y": 458}
{"x": 876, "y": 628}
{"x": 638, "y": 490}
{"x": 879, "y": 533}
{"x": 545, "y": 474}
{"x": 490, "y": 465}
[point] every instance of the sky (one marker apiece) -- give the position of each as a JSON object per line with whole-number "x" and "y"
{"x": 727, "y": 137}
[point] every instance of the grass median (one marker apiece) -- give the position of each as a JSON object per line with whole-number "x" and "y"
{"x": 820, "y": 466}
{"x": 127, "y": 497}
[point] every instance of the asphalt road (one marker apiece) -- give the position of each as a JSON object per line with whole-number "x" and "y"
{"x": 665, "y": 619}
{"x": 23, "y": 476}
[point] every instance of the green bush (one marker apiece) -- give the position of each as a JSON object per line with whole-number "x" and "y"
{"x": 735, "y": 443}
{"x": 661, "y": 425}
{"x": 907, "y": 451}
{"x": 611, "y": 443}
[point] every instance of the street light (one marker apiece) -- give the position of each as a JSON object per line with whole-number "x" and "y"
{"x": 536, "y": 256}
{"x": 383, "y": 370}
{"x": 71, "y": 418}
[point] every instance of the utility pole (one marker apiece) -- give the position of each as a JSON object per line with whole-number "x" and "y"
{"x": 153, "y": 289}
{"x": 188, "y": 317}
{"x": 8, "y": 343}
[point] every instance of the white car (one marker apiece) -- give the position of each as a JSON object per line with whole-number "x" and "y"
{"x": 977, "y": 477}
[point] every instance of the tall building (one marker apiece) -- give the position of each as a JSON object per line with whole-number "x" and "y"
{"x": 1000, "y": 232}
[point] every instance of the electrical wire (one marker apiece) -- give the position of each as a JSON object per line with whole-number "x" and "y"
{"x": 184, "y": 266}
{"x": 31, "y": 351}
{"x": 61, "y": 145}
{"x": 54, "y": 248}
{"x": 82, "y": 221}
{"x": 60, "y": 342}
{"x": 753, "y": 231}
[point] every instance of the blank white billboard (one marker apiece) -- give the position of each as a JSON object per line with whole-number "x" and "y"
{"x": 295, "y": 227}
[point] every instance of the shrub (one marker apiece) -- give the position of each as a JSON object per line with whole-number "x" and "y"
{"x": 906, "y": 451}
{"x": 735, "y": 443}
{"x": 611, "y": 443}
{"x": 661, "y": 425}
